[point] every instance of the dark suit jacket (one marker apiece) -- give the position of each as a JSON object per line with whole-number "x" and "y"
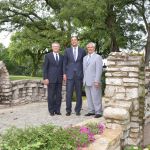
{"x": 70, "y": 65}
{"x": 51, "y": 70}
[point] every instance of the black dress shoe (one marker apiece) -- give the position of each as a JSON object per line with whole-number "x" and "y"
{"x": 68, "y": 114}
{"x": 98, "y": 116}
{"x": 57, "y": 113}
{"x": 78, "y": 113}
{"x": 52, "y": 114}
{"x": 89, "y": 114}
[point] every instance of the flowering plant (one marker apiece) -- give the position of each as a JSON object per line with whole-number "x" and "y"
{"x": 90, "y": 130}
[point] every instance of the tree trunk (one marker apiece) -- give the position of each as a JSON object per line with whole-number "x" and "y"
{"x": 147, "y": 48}
{"x": 110, "y": 23}
{"x": 34, "y": 70}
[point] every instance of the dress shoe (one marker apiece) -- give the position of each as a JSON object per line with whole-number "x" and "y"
{"x": 57, "y": 113}
{"x": 89, "y": 114}
{"x": 68, "y": 114}
{"x": 52, "y": 114}
{"x": 78, "y": 113}
{"x": 98, "y": 116}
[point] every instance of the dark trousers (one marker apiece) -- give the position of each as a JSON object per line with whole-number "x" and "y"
{"x": 71, "y": 84}
{"x": 54, "y": 97}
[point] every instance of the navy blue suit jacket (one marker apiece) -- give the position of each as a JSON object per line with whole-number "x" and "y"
{"x": 70, "y": 65}
{"x": 51, "y": 70}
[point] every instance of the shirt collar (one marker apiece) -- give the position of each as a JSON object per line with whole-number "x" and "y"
{"x": 91, "y": 54}
{"x": 55, "y": 53}
{"x": 75, "y": 47}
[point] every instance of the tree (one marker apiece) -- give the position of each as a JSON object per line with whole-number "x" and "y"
{"x": 143, "y": 12}
{"x": 27, "y": 48}
{"x": 108, "y": 23}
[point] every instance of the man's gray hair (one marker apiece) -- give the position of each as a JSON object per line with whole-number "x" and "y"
{"x": 91, "y": 43}
{"x": 56, "y": 43}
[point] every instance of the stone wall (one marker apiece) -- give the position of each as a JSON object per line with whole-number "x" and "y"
{"x": 124, "y": 96}
{"x": 27, "y": 91}
{"x": 5, "y": 84}
{"x": 147, "y": 95}
{"x": 21, "y": 91}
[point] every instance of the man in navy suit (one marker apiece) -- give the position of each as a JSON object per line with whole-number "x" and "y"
{"x": 53, "y": 77}
{"x": 73, "y": 75}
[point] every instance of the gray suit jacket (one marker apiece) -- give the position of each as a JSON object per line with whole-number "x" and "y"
{"x": 93, "y": 70}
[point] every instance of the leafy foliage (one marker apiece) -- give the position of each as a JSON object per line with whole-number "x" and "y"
{"x": 48, "y": 137}
{"x": 112, "y": 24}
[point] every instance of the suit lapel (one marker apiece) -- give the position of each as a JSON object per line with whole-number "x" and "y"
{"x": 91, "y": 60}
{"x": 79, "y": 54}
{"x": 60, "y": 59}
{"x": 53, "y": 58}
{"x": 71, "y": 53}
{"x": 85, "y": 61}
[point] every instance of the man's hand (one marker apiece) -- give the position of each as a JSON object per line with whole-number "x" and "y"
{"x": 97, "y": 84}
{"x": 46, "y": 82}
{"x": 65, "y": 77}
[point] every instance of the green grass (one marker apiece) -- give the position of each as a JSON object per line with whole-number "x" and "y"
{"x": 14, "y": 77}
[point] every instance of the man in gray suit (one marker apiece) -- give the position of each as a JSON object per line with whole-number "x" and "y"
{"x": 92, "y": 69}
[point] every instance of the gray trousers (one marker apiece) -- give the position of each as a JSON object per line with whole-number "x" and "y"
{"x": 94, "y": 99}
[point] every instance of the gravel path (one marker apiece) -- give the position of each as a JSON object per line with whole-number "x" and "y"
{"x": 36, "y": 114}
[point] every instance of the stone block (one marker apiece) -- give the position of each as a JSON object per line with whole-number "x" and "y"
{"x": 131, "y": 93}
{"x": 133, "y": 74}
{"x": 114, "y": 81}
{"x": 119, "y": 74}
{"x": 128, "y": 63}
{"x": 121, "y": 104}
{"x": 110, "y": 63}
{"x": 131, "y": 84}
{"x": 112, "y": 69}
{"x": 134, "y": 125}
{"x": 131, "y": 80}
{"x": 130, "y": 69}
{"x": 116, "y": 113}
{"x": 109, "y": 91}
{"x": 119, "y": 96}
{"x": 108, "y": 74}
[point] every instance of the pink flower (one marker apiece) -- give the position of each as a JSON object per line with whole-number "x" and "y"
{"x": 91, "y": 137}
{"x": 101, "y": 127}
{"x": 84, "y": 130}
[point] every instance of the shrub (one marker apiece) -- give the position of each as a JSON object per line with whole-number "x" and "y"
{"x": 48, "y": 137}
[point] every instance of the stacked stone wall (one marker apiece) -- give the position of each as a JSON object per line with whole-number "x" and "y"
{"x": 147, "y": 95}
{"x": 5, "y": 84}
{"x": 21, "y": 91}
{"x": 124, "y": 96}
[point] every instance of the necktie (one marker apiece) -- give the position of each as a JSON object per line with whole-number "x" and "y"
{"x": 74, "y": 53}
{"x": 88, "y": 60}
{"x": 57, "y": 61}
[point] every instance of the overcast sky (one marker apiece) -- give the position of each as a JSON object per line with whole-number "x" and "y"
{"x": 5, "y": 38}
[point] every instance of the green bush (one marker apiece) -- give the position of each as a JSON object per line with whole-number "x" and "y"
{"x": 46, "y": 137}
{"x": 49, "y": 137}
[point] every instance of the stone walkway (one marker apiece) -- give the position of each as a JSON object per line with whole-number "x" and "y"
{"x": 36, "y": 114}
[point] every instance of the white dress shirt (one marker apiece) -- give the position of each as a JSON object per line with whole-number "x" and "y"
{"x": 89, "y": 56}
{"x": 55, "y": 55}
{"x": 75, "y": 49}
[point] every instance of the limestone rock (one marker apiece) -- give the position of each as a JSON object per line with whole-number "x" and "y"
{"x": 116, "y": 113}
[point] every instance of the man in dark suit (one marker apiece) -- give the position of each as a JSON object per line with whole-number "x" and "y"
{"x": 53, "y": 76}
{"x": 73, "y": 75}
